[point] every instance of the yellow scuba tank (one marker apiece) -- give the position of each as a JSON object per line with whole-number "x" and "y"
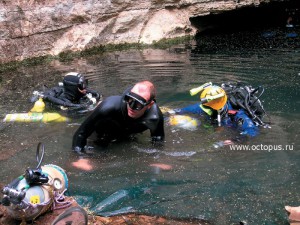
{"x": 35, "y": 117}
{"x": 54, "y": 117}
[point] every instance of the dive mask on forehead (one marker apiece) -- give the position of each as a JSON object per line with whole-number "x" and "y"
{"x": 135, "y": 101}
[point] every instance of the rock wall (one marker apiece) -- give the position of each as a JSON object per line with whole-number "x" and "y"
{"x": 32, "y": 28}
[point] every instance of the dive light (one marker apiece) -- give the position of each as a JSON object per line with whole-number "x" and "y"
{"x": 210, "y": 98}
{"x": 195, "y": 91}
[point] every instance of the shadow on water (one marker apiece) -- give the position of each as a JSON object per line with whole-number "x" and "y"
{"x": 200, "y": 181}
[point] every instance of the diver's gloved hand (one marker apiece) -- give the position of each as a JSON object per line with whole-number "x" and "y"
{"x": 92, "y": 100}
{"x": 78, "y": 150}
{"x": 88, "y": 148}
{"x": 157, "y": 141}
{"x": 157, "y": 138}
{"x": 82, "y": 151}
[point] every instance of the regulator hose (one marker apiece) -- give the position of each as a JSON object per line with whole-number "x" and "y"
{"x": 39, "y": 159}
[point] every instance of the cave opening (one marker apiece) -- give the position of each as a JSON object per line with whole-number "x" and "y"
{"x": 271, "y": 25}
{"x": 267, "y": 15}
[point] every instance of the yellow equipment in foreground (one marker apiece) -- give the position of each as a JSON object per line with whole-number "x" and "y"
{"x": 36, "y": 115}
{"x": 184, "y": 121}
{"x": 39, "y": 106}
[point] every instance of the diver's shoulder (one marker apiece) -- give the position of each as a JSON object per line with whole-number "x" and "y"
{"x": 154, "y": 112}
{"x": 112, "y": 99}
{"x": 111, "y": 102}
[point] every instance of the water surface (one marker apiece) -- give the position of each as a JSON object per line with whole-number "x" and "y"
{"x": 215, "y": 184}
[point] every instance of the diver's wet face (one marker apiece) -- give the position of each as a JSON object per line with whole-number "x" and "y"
{"x": 138, "y": 101}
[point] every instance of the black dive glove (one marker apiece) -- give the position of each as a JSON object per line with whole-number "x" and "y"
{"x": 82, "y": 151}
{"x": 157, "y": 141}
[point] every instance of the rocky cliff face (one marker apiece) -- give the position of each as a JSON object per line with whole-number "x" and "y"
{"x": 31, "y": 28}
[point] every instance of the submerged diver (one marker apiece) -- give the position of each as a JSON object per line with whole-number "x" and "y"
{"x": 120, "y": 116}
{"x": 232, "y": 105}
{"x": 72, "y": 95}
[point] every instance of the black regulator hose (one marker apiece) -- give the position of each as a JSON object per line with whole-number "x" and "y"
{"x": 257, "y": 97}
{"x": 38, "y": 158}
{"x": 247, "y": 99}
{"x": 61, "y": 102}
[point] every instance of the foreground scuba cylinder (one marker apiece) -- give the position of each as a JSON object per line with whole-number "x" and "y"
{"x": 39, "y": 197}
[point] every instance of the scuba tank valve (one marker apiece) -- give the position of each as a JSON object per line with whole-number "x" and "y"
{"x": 12, "y": 195}
{"x": 39, "y": 106}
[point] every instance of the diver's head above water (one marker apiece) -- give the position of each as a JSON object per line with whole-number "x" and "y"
{"x": 140, "y": 98}
{"x": 213, "y": 97}
{"x": 75, "y": 86}
{"x": 213, "y": 100}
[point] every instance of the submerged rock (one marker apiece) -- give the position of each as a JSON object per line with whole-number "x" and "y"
{"x": 134, "y": 219}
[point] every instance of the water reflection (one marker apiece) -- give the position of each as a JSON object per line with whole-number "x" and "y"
{"x": 205, "y": 182}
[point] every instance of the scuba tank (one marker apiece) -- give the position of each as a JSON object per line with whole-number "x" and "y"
{"x": 36, "y": 191}
{"x": 36, "y": 115}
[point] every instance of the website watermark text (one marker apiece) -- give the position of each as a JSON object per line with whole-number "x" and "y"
{"x": 262, "y": 147}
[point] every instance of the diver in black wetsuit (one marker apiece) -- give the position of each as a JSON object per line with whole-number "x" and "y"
{"x": 120, "y": 116}
{"x": 72, "y": 95}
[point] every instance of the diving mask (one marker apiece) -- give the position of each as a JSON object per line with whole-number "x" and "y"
{"x": 136, "y": 102}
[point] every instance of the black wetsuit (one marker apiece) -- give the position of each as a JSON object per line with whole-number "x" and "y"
{"x": 57, "y": 96}
{"x": 111, "y": 121}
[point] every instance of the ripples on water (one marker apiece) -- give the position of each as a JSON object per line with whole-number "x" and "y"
{"x": 217, "y": 185}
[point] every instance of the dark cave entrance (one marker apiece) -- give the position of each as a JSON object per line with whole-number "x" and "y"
{"x": 267, "y": 15}
{"x": 262, "y": 27}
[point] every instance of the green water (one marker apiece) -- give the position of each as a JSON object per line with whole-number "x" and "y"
{"x": 214, "y": 184}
